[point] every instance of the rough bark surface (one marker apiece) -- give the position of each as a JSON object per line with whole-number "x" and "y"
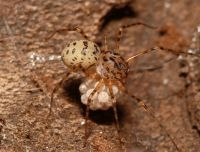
{"x": 29, "y": 70}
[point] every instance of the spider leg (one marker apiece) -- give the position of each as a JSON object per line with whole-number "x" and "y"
{"x": 179, "y": 52}
{"x": 79, "y": 30}
{"x": 157, "y": 48}
{"x": 60, "y": 83}
{"x": 76, "y": 29}
{"x": 105, "y": 43}
{"x": 114, "y": 106}
{"x": 152, "y": 68}
{"x": 123, "y": 27}
{"x": 56, "y": 88}
{"x": 151, "y": 113}
{"x": 143, "y": 52}
{"x": 98, "y": 87}
{"x": 9, "y": 37}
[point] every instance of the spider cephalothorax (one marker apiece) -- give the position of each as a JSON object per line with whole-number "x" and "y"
{"x": 112, "y": 66}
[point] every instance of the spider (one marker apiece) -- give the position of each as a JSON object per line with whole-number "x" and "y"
{"x": 105, "y": 73}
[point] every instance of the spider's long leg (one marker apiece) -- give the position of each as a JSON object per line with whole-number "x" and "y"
{"x": 76, "y": 29}
{"x": 147, "y": 109}
{"x": 9, "y": 37}
{"x": 105, "y": 43}
{"x": 123, "y": 27}
{"x": 96, "y": 89}
{"x": 58, "y": 85}
{"x": 157, "y": 48}
{"x": 114, "y": 106}
{"x": 151, "y": 68}
{"x": 143, "y": 52}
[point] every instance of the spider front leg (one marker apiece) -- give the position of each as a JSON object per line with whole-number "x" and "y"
{"x": 156, "y": 48}
{"x": 114, "y": 106}
{"x": 76, "y": 29}
{"x": 105, "y": 43}
{"x": 150, "y": 112}
{"x": 123, "y": 27}
{"x": 113, "y": 99}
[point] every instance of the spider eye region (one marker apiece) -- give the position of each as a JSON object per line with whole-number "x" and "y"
{"x": 80, "y": 54}
{"x": 112, "y": 65}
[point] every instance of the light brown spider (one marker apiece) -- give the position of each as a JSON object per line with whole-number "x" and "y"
{"x": 105, "y": 73}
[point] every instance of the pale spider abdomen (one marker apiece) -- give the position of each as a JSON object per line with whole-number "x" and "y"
{"x": 112, "y": 66}
{"x": 80, "y": 54}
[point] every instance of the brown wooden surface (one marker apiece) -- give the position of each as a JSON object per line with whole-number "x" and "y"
{"x": 25, "y": 88}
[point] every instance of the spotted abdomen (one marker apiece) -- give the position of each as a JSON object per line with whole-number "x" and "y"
{"x": 81, "y": 54}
